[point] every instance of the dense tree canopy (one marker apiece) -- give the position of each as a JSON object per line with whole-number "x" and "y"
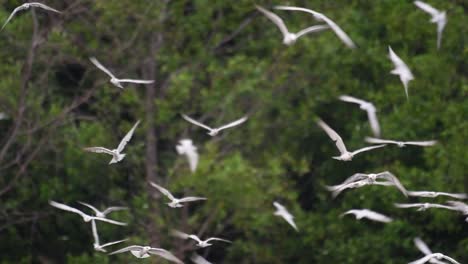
{"x": 218, "y": 61}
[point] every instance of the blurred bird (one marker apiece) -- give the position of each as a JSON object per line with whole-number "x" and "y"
{"x": 401, "y": 69}
{"x": 438, "y": 17}
{"x": 214, "y": 131}
{"x": 321, "y": 17}
{"x": 400, "y": 144}
{"x": 460, "y": 206}
{"x": 85, "y": 217}
{"x": 366, "y": 213}
{"x": 436, "y": 256}
{"x": 106, "y": 211}
{"x": 115, "y": 153}
{"x": 26, "y": 6}
{"x": 288, "y": 37}
{"x": 97, "y": 245}
{"x": 200, "y": 243}
{"x": 114, "y": 80}
{"x": 345, "y": 154}
{"x": 197, "y": 259}
{"x": 187, "y": 148}
{"x": 281, "y": 211}
{"x": 175, "y": 202}
{"x": 435, "y": 194}
{"x": 424, "y": 206}
{"x": 425, "y": 249}
{"x": 145, "y": 252}
{"x": 369, "y": 108}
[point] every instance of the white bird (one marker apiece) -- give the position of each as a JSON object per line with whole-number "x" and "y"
{"x": 175, "y": 202}
{"x": 435, "y": 194}
{"x": 215, "y": 131}
{"x": 97, "y": 245}
{"x": 400, "y": 144}
{"x": 425, "y": 249}
{"x": 187, "y": 148}
{"x": 321, "y": 17}
{"x": 114, "y": 80}
{"x": 288, "y": 37}
{"x": 146, "y": 251}
{"x": 108, "y": 210}
{"x": 366, "y": 213}
{"x": 438, "y": 17}
{"x": 281, "y": 211}
{"x": 401, "y": 69}
{"x": 345, "y": 154}
{"x": 200, "y": 243}
{"x": 197, "y": 259}
{"x": 115, "y": 153}
{"x": 424, "y": 206}
{"x": 85, "y": 217}
{"x": 26, "y": 6}
{"x": 369, "y": 108}
{"x": 436, "y": 256}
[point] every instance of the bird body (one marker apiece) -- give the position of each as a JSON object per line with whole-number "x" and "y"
{"x": 187, "y": 148}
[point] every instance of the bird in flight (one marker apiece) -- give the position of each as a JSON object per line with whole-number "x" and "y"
{"x": 438, "y": 17}
{"x": 114, "y": 80}
{"x": 146, "y": 251}
{"x": 345, "y": 154}
{"x": 175, "y": 202}
{"x": 26, "y": 6}
{"x": 366, "y": 213}
{"x": 200, "y": 243}
{"x": 115, "y": 153}
{"x": 425, "y": 249}
{"x": 401, "y": 144}
{"x": 401, "y": 69}
{"x": 435, "y": 194}
{"x": 214, "y": 131}
{"x": 108, "y": 210}
{"x": 434, "y": 256}
{"x": 85, "y": 217}
{"x": 97, "y": 245}
{"x": 460, "y": 206}
{"x": 288, "y": 37}
{"x": 369, "y": 108}
{"x": 321, "y": 17}
{"x": 281, "y": 211}
{"x": 187, "y": 148}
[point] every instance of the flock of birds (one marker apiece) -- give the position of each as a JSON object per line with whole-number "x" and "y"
{"x": 186, "y": 147}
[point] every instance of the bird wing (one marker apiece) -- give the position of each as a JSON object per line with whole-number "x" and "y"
{"x": 195, "y": 122}
{"x": 421, "y": 143}
{"x": 114, "y": 208}
{"x": 334, "y": 136}
{"x": 338, "y": 31}
{"x": 367, "y": 149}
{"x": 235, "y": 123}
{"x": 374, "y": 122}
{"x": 399, "y": 205}
{"x": 127, "y": 137}
{"x": 162, "y": 190}
{"x": 191, "y": 199}
{"x": 423, "y": 260}
{"x": 351, "y": 185}
{"x": 454, "y": 195}
{"x": 179, "y": 234}
{"x": 125, "y": 249}
{"x": 35, "y": 4}
{"x": 165, "y": 254}
{"x": 218, "y": 239}
{"x": 66, "y": 208}
{"x": 101, "y": 67}
{"x": 16, "y": 10}
{"x": 450, "y": 259}
{"x": 275, "y": 19}
{"x": 355, "y": 177}
{"x": 91, "y": 207}
{"x": 393, "y": 179}
{"x": 279, "y": 206}
{"x": 195, "y": 237}
{"x": 420, "y": 193}
{"x": 316, "y": 28}
{"x": 197, "y": 259}
{"x": 427, "y": 8}
{"x": 95, "y": 233}
{"x": 135, "y": 81}
{"x": 373, "y": 140}
{"x": 109, "y": 221}
{"x": 99, "y": 150}
{"x": 397, "y": 61}
{"x": 422, "y": 246}
{"x": 377, "y": 216}
{"x": 113, "y": 243}
{"x": 351, "y": 99}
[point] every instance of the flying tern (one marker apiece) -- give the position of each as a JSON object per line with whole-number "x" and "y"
{"x": 401, "y": 144}
{"x": 85, "y": 217}
{"x": 106, "y": 211}
{"x": 97, "y": 245}
{"x": 401, "y": 69}
{"x": 26, "y": 6}
{"x": 281, "y": 211}
{"x": 146, "y": 251}
{"x": 366, "y": 213}
{"x": 200, "y": 243}
{"x": 438, "y": 17}
{"x": 436, "y": 256}
{"x": 175, "y": 202}
{"x": 214, "y": 131}
{"x": 369, "y": 108}
{"x": 187, "y": 148}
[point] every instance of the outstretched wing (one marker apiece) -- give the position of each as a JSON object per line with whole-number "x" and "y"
{"x": 66, "y": 208}
{"x": 127, "y": 137}
{"x": 218, "y": 239}
{"x": 373, "y": 140}
{"x": 422, "y": 246}
{"x": 179, "y": 234}
{"x": 114, "y": 208}
{"x": 16, "y": 10}
{"x": 162, "y": 190}
{"x": 353, "y": 178}
{"x": 374, "y": 122}
{"x": 393, "y": 179}
{"x": 422, "y": 143}
{"x": 399, "y": 205}
{"x": 113, "y": 243}
{"x": 275, "y": 19}
{"x": 377, "y": 216}
{"x": 101, "y": 67}
{"x": 191, "y": 199}
{"x": 109, "y": 221}
{"x": 334, "y": 136}
{"x": 136, "y": 81}
{"x": 91, "y": 207}
{"x": 95, "y": 233}
{"x": 368, "y": 148}
{"x": 454, "y": 195}
{"x": 125, "y": 249}
{"x": 427, "y": 8}
{"x": 316, "y": 28}
{"x": 422, "y": 260}
{"x": 235, "y": 123}
{"x": 165, "y": 254}
{"x": 351, "y": 99}
{"x": 338, "y": 31}
{"x": 195, "y": 122}
{"x": 35, "y": 4}
{"x": 99, "y": 150}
